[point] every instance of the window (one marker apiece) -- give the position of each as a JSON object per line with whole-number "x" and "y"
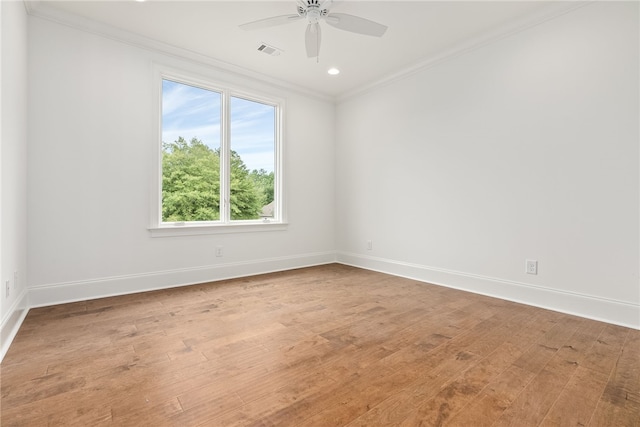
{"x": 218, "y": 158}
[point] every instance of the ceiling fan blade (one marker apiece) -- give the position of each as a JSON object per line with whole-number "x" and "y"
{"x": 355, "y": 24}
{"x": 270, "y": 22}
{"x": 312, "y": 40}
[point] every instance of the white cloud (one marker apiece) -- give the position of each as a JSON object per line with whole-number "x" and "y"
{"x": 192, "y": 112}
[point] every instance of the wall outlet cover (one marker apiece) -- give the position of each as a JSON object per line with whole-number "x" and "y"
{"x": 531, "y": 266}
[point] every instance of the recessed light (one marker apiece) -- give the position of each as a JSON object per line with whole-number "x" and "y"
{"x": 333, "y": 71}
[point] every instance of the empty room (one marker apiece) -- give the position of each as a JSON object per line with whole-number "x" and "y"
{"x": 319, "y": 213}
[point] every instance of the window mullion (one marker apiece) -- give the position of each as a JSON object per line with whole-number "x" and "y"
{"x": 225, "y": 164}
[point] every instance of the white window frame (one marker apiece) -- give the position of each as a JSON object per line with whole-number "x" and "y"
{"x": 157, "y": 227}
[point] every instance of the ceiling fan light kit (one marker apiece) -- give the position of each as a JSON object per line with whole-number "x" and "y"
{"x": 315, "y": 11}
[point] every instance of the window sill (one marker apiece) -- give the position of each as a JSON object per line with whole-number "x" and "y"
{"x": 172, "y": 230}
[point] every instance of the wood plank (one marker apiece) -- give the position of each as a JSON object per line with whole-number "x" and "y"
{"x": 620, "y": 402}
{"x": 576, "y": 403}
{"x": 458, "y": 393}
{"x": 571, "y": 348}
{"x": 489, "y": 405}
{"x": 326, "y": 345}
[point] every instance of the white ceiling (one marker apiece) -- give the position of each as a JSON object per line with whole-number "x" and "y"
{"x": 418, "y": 31}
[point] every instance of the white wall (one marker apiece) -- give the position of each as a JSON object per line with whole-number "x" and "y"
{"x": 90, "y": 159}
{"x": 13, "y": 167}
{"x": 526, "y": 148}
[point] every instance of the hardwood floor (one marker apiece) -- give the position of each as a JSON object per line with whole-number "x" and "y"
{"x": 322, "y": 346}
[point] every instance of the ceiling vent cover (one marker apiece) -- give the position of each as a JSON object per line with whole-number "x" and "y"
{"x": 269, "y": 50}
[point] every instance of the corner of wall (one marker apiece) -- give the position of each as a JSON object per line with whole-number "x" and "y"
{"x": 13, "y": 167}
{"x": 12, "y": 322}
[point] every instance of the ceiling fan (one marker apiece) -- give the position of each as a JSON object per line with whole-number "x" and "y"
{"x": 314, "y": 11}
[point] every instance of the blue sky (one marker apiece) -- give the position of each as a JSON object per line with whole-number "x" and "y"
{"x": 189, "y": 112}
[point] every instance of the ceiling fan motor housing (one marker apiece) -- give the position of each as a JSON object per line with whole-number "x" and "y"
{"x": 312, "y": 11}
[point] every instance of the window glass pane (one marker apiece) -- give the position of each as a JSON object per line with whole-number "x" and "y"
{"x": 252, "y": 142}
{"x": 190, "y": 153}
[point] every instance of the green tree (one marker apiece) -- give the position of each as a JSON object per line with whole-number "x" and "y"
{"x": 191, "y": 184}
{"x": 190, "y": 181}
{"x": 246, "y": 202}
{"x": 264, "y": 183}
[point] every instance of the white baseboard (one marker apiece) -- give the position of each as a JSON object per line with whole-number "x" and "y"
{"x": 61, "y": 293}
{"x": 601, "y": 309}
{"x": 605, "y": 310}
{"x": 12, "y": 322}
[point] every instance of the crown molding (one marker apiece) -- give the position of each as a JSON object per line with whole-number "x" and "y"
{"x": 554, "y": 10}
{"x": 31, "y": 5}
{"x": 40, "y": 9}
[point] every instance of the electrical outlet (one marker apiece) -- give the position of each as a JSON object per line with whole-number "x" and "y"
{"x": 8, "y": 288}
{"x": 369, "y": 245}
{"x": 531, "y": 266}
{"x": 219, "y": 251}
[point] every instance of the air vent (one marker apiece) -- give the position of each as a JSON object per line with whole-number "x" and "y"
{"x": 269, "y": 50}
